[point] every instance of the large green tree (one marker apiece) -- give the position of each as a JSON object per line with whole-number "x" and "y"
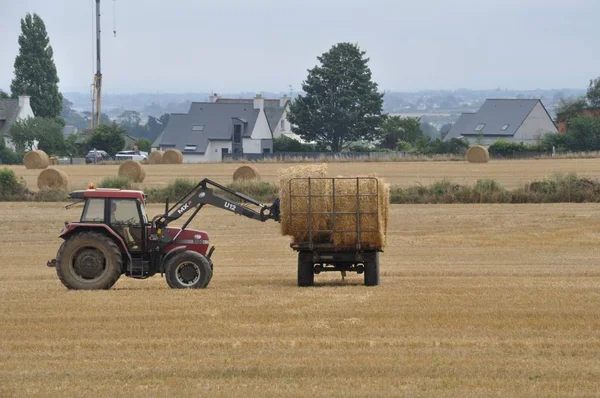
{"x": 341, "y": 104}
{"x": 108, "y": 137}
{"x": 397, "y": 129}
{"x": 35, "y": 72}
{"x": 46, "y": 132}
{"x": 593, "y": 93}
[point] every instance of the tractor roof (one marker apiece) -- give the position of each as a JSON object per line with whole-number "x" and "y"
{"x": 108, "y": 193}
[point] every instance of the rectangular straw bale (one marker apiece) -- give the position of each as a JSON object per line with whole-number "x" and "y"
{"x": 293, "y": 199}
{"x": 371, "y": 210}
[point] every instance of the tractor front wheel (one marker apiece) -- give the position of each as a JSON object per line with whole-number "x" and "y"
{"x": 89, "y": 261}
{"x": 188, "y": 270}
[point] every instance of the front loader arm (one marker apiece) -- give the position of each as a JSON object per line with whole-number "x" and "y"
{"x": 202, "y": 195}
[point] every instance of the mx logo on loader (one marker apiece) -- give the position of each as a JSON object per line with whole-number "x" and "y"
{"x": 184, "y": 207}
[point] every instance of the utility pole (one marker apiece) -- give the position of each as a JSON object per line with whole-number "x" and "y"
{"x": 98, "y": 76}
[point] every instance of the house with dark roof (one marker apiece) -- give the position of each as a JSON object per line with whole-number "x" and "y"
{"x": 11, "y": 111}
{"x": 275, "y": 109}
{"x": 221, "y": 126}
{"x": 516, "y": 120}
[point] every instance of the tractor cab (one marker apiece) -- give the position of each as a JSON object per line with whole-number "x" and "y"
{"x": 122, "y": 211}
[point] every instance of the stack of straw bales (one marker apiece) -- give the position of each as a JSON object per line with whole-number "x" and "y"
{"x": 291, "y": 200}
{"x": 155, "y": 157}
{"x": 478, "y": 154}
{"x": 36, "y": 160}
{"x": 172, "y": 156}
{"x": 246, "y": 173}
{"x": 53, "y": 161}
{"x": 372, "y": 209}
{"x": 132, "y": 170}
{"x": 53, "y": 179}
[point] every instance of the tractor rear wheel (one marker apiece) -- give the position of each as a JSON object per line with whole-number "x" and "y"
{"x": 89, "y": 261}
{"x": 306, "y": 271}
{"x": 188, "y": 270}
{"x": 372, "y": 271}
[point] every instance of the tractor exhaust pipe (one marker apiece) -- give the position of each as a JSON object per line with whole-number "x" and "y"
{"x": 210, "y": 252}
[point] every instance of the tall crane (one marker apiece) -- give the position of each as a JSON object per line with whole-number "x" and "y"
{"x": 97, "y": 85}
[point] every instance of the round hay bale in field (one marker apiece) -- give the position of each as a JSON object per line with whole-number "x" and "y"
{"x": 155, "y": 157}
{"x": 132, "y": 170}
{"x": 36, "y": 160}
{"x": 53, "y": 179}
{"x": 478, "y": 154}
{"x": 246, "y": 173}
{"x": 172, "y": 156}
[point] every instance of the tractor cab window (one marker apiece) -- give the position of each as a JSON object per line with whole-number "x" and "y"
{"x": 124, "y": 211}
{"x": 94, "y": 211}
{"x": 143, "y": 210}
{"x": 125, "y": 219}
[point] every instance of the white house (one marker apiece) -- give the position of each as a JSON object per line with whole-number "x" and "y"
{"x": 222, "y": 126}
{"x": 516, "y": 120}
{"x": 11, "y": 111}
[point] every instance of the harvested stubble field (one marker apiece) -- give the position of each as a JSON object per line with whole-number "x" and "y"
{"x": 476, "y": 300}
{"x": 510, "y": 173}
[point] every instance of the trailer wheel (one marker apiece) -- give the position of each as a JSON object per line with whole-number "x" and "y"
{"x": 372, "y": 271}
{"x": 188, "y": 270}
{"x": 306, "y": 272}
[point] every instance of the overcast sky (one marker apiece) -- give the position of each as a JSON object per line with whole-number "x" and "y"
{"x": 267, "y": 45}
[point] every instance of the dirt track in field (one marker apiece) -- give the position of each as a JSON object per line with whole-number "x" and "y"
{"x": 476, "y": 300}
{"x": 510, "y": 173}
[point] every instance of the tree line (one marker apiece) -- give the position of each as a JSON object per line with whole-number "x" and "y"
{"x": 35, "y": 75}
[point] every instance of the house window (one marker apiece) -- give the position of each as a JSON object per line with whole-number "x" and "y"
{"x": 237, "y": 133}
{"x": 480, "y": 127}
{"x": 190, "y": 148}
{"x": 266, "y": 150}
{"x": 283, "y": 124}
{"x": 198, "y": 127}
{"x": 505, "y": 127}
{"x": 236, "y": 150}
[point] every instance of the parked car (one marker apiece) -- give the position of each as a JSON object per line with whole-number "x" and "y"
{"x": 96, "y": 156}
{"x": 131, "y": 155}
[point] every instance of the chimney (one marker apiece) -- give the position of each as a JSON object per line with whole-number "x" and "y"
{"x": 259, "y": 102}
{"x": 283, "y": 100}
{"x": 23, "y": 101}
{"x": 214, "y": 97}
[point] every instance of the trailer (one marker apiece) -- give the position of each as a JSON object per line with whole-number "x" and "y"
{"x": 315, "y": 254}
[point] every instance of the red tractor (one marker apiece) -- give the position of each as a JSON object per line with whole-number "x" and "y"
{"x": 115, "y": 237}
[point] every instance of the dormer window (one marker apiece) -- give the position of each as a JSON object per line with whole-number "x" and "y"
{"x": 237, "y": 133}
